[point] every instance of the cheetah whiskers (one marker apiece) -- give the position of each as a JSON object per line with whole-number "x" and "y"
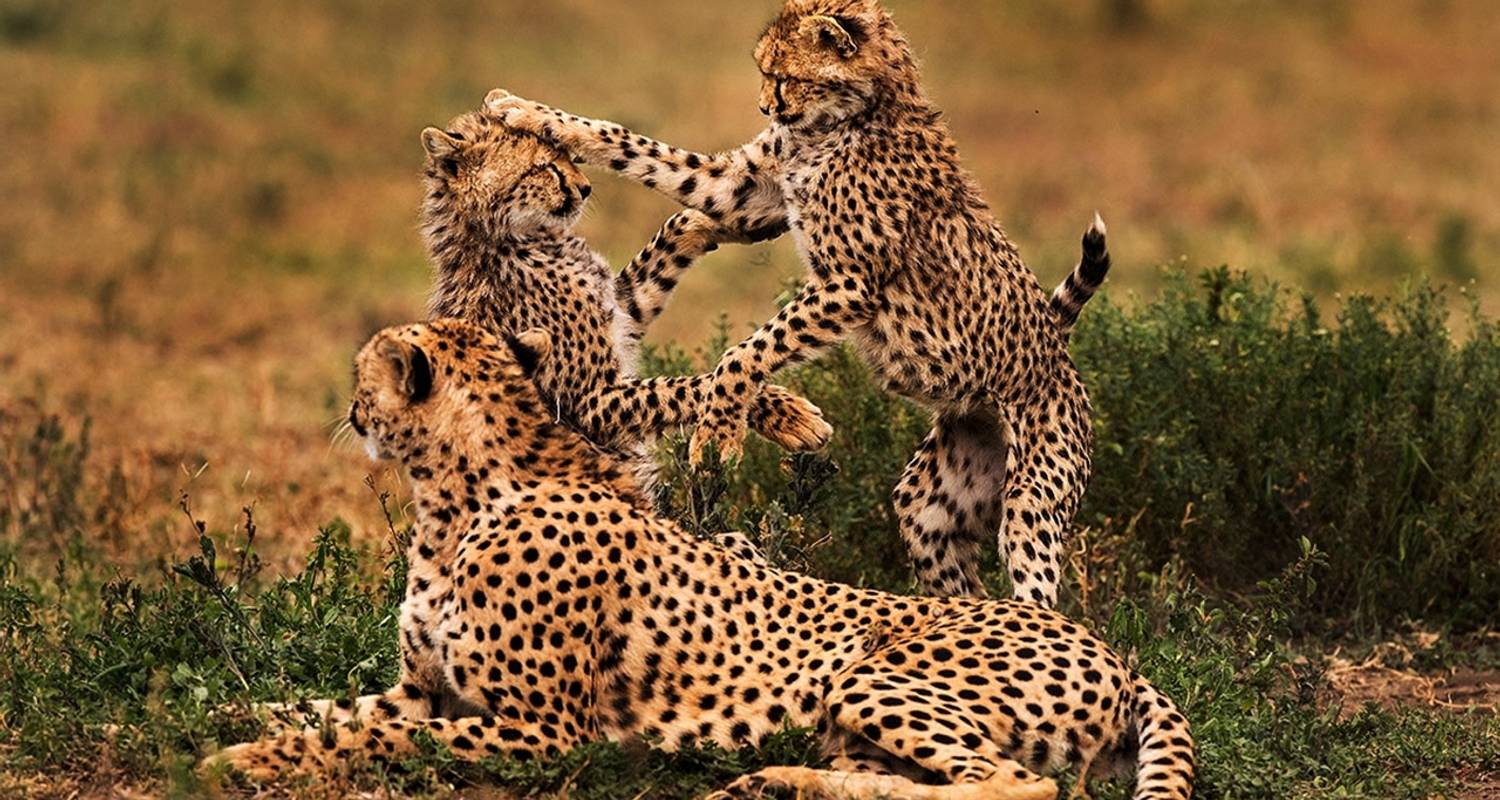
{"x": 341, "y": 433}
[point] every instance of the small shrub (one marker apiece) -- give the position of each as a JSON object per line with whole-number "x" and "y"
{"x": 1233, "y": 423}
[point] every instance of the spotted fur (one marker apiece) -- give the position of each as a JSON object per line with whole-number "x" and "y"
{"x": 545, "y": 608}
{"x": 905, "y": 259}
{"x": 498, "y": 217}
{"x": 1079, "y": 287}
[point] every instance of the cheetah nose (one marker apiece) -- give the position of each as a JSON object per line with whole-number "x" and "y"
{"x": 584, "y": 191}
{"x": 765, "y": 110}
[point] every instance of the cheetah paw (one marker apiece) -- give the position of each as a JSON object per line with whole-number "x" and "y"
{"x": 749, "y": 787}
{"x": 793, "y": 422}
{"x": 725, "y": 434}
{"x": 253, "y": 760}
{"x": 518, "y": 113}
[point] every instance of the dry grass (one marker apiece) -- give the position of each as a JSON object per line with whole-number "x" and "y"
{"x": 208, "y": 205}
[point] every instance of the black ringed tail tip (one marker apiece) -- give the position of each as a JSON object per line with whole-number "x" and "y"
{"x": 1079, "y": 287}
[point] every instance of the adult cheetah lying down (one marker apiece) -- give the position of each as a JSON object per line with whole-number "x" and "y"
{"x": 498, "y": 219}
{"x": 903, "y": 258}
{"x": 545, "y": 609}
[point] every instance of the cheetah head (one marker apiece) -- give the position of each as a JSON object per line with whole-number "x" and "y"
{"x": 824, "y": 61}
{"x": 503, "y": 183}
{"x": 422, "y": 391}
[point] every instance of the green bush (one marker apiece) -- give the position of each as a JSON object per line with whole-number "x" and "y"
{"x": 1261, "y": 479}
{"x": 1232, "y": 423}
{"x": 153, "y": 664}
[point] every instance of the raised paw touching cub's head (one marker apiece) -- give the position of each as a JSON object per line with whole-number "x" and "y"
{"x": 502, "y": 179}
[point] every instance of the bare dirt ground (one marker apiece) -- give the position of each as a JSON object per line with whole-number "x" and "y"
{"x": 1353, "y": 686}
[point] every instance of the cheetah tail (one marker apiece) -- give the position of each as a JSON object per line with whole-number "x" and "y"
{"x": 1070, "y": 297}
{"x": 1165, "y": 762}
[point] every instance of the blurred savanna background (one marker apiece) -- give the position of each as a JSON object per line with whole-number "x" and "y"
{"x": 207, "y": 205}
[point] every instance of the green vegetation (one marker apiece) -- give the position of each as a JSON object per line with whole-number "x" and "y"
{"x": 1263, "y": 480}
{"x": 1234, "y": 427}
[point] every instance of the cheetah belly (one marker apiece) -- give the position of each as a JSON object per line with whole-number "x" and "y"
{"x": 929, "y": 366}
{"x": 694, "y": 675}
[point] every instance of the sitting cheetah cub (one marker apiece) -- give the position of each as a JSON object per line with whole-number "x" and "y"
{"x": 545, "y": 608}
{"x": 905, "y": 258}
{"x": 498, "y": 218}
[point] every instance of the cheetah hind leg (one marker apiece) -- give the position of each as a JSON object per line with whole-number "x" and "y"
{"x": 836, "y": 785}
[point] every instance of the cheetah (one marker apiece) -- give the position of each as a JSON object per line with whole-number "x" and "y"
{"x": 498, "y": 216}
{"x": 903, "y": 257}
{"x": 546, "y": 608}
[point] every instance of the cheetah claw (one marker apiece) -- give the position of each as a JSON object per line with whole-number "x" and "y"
{"x": 728, "y": 442}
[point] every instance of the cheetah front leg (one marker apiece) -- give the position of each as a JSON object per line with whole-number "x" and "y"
{"x": 737, "y": 188}
{"x": 642, "y": 408}
{"x": 826, "y": 784}
{"x": 646, "y": 282}
{"x": 411, "y": 698}
{"x": 818, "y": 318}
{"x": 469, "y": 739}
{"x": 404, "y": 701}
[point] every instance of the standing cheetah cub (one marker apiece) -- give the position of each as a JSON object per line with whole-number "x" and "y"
{"x": 498, "y": 218}
{"x": 546, "y": 609}
{"x": 904, "y": 258}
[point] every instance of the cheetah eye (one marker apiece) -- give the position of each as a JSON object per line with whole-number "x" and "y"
{"x": 456, "y": 135}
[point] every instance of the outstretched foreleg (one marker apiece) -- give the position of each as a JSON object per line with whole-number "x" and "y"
{"x": 337, "y": 748}
{"x": 406, "y": 700}
{"x": 644, "y": 408}
{"x": 737, "y": 188}
{"x": 819, "y": 317}
{"x": 837, "y": 785}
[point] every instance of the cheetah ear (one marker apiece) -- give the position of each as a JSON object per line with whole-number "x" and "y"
{"x": 413, "y": 369}
{"x": 496, "y": 98}
{"x": 840, "y": 33}
{"x": 531, "y": 348}
{"x": 438, "y": 144}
